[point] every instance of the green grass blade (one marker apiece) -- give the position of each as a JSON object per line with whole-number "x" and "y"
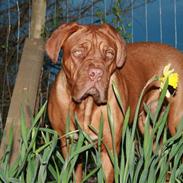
{"x": 32, "y": 169}
{"x": 162, "y": 168}
{"x": 177, "y": 160}
{"x": 160, "y": 102}
{"x": 154, "y": 78}
{"x": 148, "y": 142}
{"x": 115, "y": 157}
{"x": 138, "y": 169}
{"x": 24, "y": 129}
{"x": 118, "y": 97}
{"x": 39, "y": 114}
{"x": 152, "y": 171}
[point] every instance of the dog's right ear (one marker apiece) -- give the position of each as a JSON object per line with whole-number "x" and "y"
{"x": 56, "y": 41}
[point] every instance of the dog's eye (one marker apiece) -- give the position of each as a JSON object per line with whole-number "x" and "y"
{"x": 109, "y": 54}
{"x": 78, "y": 53}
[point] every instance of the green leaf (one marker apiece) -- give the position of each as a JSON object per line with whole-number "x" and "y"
{"x": 118, "y": 97}
{"x": 24, "y": 130}
{"x": 138, "y": 169}
{"x": 32, "y": 169}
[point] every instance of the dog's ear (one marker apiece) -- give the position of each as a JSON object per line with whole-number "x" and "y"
{"x": 120, "y": 43}
{"x": 56, "y": 41}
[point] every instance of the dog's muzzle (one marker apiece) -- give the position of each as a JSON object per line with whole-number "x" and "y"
{"x": 92, "y": 83}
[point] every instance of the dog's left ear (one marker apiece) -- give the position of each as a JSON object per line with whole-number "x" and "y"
{"x": 120, "y": 43}
{"x": 56, "y": 41}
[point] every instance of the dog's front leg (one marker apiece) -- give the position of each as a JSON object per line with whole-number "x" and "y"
{"x": 79, "y": 173}
{"x": 107, "y": 167}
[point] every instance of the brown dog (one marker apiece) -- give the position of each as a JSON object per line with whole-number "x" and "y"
{"x": 94, "y": 56}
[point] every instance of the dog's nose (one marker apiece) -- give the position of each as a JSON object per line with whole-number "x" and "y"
{"x": 95, "y": 74}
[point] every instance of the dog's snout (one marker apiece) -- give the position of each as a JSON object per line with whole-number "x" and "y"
{"x": 95, "y": 74}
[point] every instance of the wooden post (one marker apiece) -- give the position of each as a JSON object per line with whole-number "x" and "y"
{"x": 27, "y": 81}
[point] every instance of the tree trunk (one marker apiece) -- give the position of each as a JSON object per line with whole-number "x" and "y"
{"x": 38, "y": 18}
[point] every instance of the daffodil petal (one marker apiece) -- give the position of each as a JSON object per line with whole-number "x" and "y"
{"x": 171, "y": 76}
{"x": 166, "y": 68}
{"x": 167, "y": 71}
{"x": 173, "y": 80}
{"x": 168, "y": 94}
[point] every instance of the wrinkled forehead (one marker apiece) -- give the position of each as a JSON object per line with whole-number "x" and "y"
{"x": 90, "y": 38}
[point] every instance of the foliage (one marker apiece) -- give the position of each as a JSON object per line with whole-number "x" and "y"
{"x": 154, "y": 158}
{"x": 119, "y": 20}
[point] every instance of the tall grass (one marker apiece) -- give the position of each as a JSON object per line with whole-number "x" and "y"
{"x": 154, "y": 158}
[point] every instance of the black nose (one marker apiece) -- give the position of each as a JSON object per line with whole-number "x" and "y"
{"x": 95, "y": 74}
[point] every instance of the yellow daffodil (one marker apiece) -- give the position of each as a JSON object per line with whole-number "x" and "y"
{"x": 171, "y": 76}
{"x": 173, "y": 80}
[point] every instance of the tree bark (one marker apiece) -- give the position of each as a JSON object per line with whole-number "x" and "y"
{"x": 38, "y": 18}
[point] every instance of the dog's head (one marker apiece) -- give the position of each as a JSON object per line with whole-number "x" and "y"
{"x": 91, "y": 55}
